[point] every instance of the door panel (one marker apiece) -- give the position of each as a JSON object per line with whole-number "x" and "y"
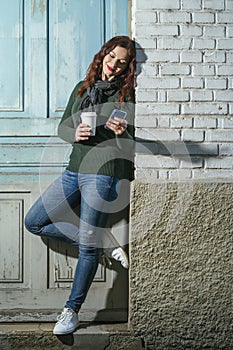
{"x": 76, "y": 34}
{"x": 116, "y": 18}
{"x": 11, "y": 259}
{"x": 11, "y": 48}
{"x": 14, "y": 272}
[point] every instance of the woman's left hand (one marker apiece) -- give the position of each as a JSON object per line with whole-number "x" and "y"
{"x": 117, "y": 125}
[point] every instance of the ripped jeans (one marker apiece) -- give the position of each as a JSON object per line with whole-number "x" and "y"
{"x": 53, "y": 216}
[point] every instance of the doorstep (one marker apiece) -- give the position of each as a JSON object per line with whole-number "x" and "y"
{"x": 39, "y": 336}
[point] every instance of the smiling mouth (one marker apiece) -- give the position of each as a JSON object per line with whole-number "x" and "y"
{"x": 110, "y": 68}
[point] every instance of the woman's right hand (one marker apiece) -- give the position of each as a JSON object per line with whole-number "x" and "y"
{"x": 82, "y": 133}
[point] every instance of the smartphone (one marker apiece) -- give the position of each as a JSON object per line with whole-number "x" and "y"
{"x": 116, "y": 113}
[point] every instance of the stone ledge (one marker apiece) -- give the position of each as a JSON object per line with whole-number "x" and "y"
{"x": 39, "y": 336}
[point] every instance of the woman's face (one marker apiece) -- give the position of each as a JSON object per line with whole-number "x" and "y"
{"x": 114, "y": 63}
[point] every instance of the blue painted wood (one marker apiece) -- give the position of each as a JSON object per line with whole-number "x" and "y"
{"x": 116, "y": 18}
{"x": 76, "y": 33}
{"x": 11, "y": 54}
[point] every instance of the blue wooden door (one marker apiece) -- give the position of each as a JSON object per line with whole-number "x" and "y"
{"x": 46, "y": 47}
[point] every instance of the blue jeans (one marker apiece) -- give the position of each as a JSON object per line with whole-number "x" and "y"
{"x": 54, "y": 216}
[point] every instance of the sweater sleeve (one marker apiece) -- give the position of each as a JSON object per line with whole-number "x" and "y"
{"x": 66, "y": 127}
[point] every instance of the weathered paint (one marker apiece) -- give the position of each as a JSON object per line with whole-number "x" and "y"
{"x": 43, "y": 59}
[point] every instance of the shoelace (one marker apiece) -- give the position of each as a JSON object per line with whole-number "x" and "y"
{"x": 65, "y": 316}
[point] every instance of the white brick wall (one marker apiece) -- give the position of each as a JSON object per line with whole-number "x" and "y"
{"x": 184, "y": 90}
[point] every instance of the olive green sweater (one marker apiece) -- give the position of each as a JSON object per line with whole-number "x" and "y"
{"x": 105, "y": 153}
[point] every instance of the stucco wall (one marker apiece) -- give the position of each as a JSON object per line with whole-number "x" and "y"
{"x": 181, "y": 267}
{"x": 181, "y": 213}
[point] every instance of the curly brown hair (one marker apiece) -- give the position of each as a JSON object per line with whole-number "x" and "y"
{"x": 126, "y": 79}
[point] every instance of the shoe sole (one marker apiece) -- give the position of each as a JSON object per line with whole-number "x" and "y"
{"x": 125, "y": 258}
{"x": 65, "y": 333}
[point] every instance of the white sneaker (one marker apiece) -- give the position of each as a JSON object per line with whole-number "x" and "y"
{"x": 120, "y": 255}
{"x": 67, "y": 322}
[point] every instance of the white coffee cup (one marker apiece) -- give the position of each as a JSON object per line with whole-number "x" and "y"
{"x": 89, "y": 118}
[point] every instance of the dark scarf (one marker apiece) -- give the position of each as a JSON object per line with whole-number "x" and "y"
{"x": 98, "y": 94}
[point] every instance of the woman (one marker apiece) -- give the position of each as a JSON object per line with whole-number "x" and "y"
{"x": 97, "y": 164}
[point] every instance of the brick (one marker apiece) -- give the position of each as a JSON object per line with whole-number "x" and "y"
{"x": 231, "y": 109}
{"x": 191, "y": 5}
{"x": 229, "y": 57}
{"x": 146, "y": 95}
{"x": 214, "y": 56}
{"x": 230, "y": 83}
{"x": 154, "y": 134}
{"x": 150, "y": 69}
{"x": 219, "y": 135}
{"x": 214, "y": 31}
{"x": 156, "y": 161}
{"x": 146, "y": 122}
{"x": 205, "y": 122}
{"x": 203, "y": 17}
{"x": 179, "y": 96}
{"x": 225, "y": 70}
{"x": 203, "y": 43}
{"x": 216, "y": 83}
{"x": 191, "y": 30}
{"x": 163, "y": 174}
{"x": 158, "y": 56}
{"x": 219, "y": 163}
{"x": 159, "y": 83}
{"x": 141, "y": 56}
{"x": 157, "y": 4}
{"x": 175, "y": 17}
{"x": 179, "y": 175}
{"x": 162, "y": 96}
{"x": 149, "y": 176}
{"x": 212, "y": 175}
{"x": 193, "y": 135}
{"x": 142, "y": 147}
{"x": 220, "y": 123}
{"x": 225, "y": 95}
{"x": 189, "y": 149}
{"x": 229, "y": 5}
{"x": 230, "y": 31}
{"x": 157, "y": 108}
{"x": 204, "y": 108}
{"x": 226, "y": 149}
{"x": 228, "y": 123}
{"x": 224, "y": 17}
{"x": 204, "y": 149}
{"x": 175, "y": 69}
{"x": 195, "y": 83}
{"x": 191, "y": 56}
{"x": 174, "y": 43}
{"x": 225, "y": 44}
{"x": 145, "y": 17}
{"x": 157, "y": 30}
{"x": 163, "y": 122}
{"x": 173, "y": 148}
{"x": 192, "y": 163}
{"x": 214, "y": 4}
{"x": 203, "y": 70}
{"x": 181, "y": 122}
{"x": 147, "y": 43}
{"x": 163, "y": 56}
{"x": 201, "y": 96}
